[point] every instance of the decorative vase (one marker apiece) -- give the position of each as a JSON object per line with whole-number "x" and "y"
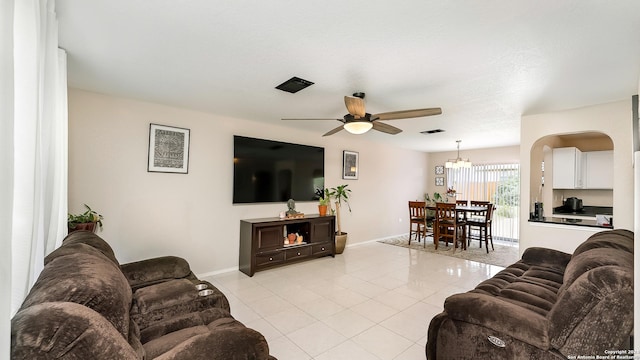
{"x": 322, "y": 209}
{"x": 292, "y": 238}
{"x": 341, "y": 242}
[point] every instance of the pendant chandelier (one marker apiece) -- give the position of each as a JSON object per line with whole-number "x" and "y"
{"x": 458, "y": 162}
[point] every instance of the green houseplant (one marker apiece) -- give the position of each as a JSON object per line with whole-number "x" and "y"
{"x": 431, "y": 201}
{"x": 324, "y": 200}
{"x": 341, "y": 195}
{"x": 84, "y": 221}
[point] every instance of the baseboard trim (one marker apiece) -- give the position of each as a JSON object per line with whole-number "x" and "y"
{"x": 218, "y": 272}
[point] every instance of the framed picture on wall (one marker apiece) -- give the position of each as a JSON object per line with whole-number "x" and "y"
{"x": 439, "y": 170}
{"x": 439, "y": 181}
{"x": 168, "y": 149}
{"x": 350, "y": 165}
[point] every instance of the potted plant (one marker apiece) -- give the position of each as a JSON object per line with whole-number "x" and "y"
{"x": 324, "y": 200}
{"x": 431, "y": 201}
{"x": 341, "y": 195}
{"x": 85, "y": 221}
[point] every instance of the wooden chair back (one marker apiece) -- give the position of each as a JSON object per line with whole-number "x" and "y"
{"x": 481, "y": 215}
{"x": 417, "y": 210}
{"x": 446, "y": 212}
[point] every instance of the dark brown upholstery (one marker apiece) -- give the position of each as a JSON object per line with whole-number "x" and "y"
{"x": 548, "y": 305}
{"x": 84, "y": 305}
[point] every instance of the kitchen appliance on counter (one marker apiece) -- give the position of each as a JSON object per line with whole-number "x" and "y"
{"x": 573, "y": 204}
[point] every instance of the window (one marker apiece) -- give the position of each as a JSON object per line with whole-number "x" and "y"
{"x": 497, "y": 183}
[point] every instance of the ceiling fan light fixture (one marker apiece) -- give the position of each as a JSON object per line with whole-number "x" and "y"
{"x": 358, "y": 127}
{"x": 458, "y": 162}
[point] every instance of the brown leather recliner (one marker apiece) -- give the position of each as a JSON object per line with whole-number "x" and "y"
{"x": 548, "y": 305}
{"x": 84, "y": 305}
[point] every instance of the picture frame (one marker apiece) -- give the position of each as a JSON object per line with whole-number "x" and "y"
{"x": 439, "y": 181}
{"x": 439, "y": 169}
{"x": 350, "y": 166}
{"x": 168, "y": 149}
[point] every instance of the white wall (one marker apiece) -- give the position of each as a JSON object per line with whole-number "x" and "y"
{"x": 612, "y": 119}
{"x": 153, "y": 214}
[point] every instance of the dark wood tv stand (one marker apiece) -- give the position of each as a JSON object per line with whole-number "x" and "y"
{"x": 262, "y": 241}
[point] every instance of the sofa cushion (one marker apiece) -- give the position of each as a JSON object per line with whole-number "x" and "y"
{"x": 156, "y": 303}
{"x": 93, "y": 240}
{"x": 221, "y": 339}
{"x": 183, "y": 321}
{"x": 65, "y": 330}
{"x": 594, "y": 313}
{"x": 531, "y": 287}
{"x": 153, "y": 271}
{"x": 91, "y": 280}
{"x": 620, "y": 239}
{"x": 76, "y": 248}
{"x": 593, "y": 258}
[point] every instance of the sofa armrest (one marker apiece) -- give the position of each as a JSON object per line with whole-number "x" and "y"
{"x": 152, "y": 271}
{"x": 499, "y": 315}
{"x": 548, "y": 258}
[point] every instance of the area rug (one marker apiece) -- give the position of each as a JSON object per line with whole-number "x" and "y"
{"x": 503, "y": 255}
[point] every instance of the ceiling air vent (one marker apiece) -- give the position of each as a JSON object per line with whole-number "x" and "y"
{"x": 294, "y": 85}
{"x": 431, "y": 131}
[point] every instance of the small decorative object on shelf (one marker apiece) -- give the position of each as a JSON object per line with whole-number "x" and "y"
{"x": 292, "y": 213}
{"x": 451, "y": 192}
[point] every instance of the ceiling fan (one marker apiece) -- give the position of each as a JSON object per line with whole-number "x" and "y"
{"x": 358, "y": 121}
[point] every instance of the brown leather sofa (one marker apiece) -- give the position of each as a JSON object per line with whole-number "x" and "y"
{"x": 84, "y": 305}
{"x": 548, "y": 305}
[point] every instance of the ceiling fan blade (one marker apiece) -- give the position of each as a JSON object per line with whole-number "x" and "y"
{"x": 386, "y": 128}
{"x": 315, "y": 119}
{"x": 405, "y": 114}
{"x": 355, "y": 105}
{"x": 334, "y": 131}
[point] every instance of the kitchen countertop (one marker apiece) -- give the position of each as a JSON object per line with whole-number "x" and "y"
{"x": 586, "y": 211}
{"x": 573, "y": 222}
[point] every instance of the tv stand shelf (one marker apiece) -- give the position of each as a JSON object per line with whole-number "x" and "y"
{"x": 262, "y": 241}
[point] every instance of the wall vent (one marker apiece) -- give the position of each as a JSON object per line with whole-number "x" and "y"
{"x": 431, "y": 131}
{"x": 294, "y": 85}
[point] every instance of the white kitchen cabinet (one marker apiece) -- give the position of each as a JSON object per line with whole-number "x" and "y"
{"x": 567, "y": 168}
{"x": 598, "y": 169}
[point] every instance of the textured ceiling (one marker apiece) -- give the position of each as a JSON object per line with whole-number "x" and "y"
{"x": 485, "y": 63}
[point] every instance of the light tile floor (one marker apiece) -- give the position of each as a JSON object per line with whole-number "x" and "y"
{"x": 374, "y": 301}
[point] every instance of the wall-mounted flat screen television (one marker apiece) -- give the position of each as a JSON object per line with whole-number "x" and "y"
{"x": 274, "y": 171}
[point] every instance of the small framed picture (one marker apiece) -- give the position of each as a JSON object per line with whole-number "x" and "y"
{"x": 350, "y": 165}
{"x": 439, "y": 181}
{"x": 168, "y": 149}
{"x": 439, "y": 170}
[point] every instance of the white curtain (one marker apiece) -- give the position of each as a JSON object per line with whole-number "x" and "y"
{"x": 6, "y": 170}
{"x": 39, "y": 159}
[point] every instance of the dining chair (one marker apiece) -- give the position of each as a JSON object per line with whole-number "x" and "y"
{"x": 449, "y": 226}
{"x": 483, "y": 221}
{"x": 417, "y": 217}
{"x": 462, "y": 215}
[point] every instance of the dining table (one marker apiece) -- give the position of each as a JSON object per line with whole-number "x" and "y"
{"x": 462, "y": 210}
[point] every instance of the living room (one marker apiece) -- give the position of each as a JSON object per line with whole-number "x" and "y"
{"x": 191, "y": 215}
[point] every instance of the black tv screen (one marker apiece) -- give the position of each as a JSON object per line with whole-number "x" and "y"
{"x": 274, "y": 171}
